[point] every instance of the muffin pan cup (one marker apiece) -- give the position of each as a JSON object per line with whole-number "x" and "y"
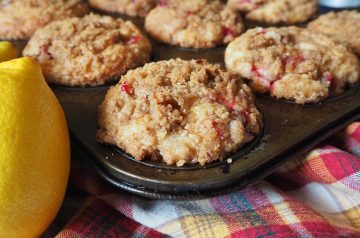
{"x": 289, "y": 130}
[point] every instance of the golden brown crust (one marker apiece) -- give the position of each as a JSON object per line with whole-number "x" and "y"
{"x": 292, "y": 63}
{"x": 276, "y": 11}
{"x": 179, "y": 112}
{"x": 193, "y": 23}
{"x": 128, "y": 7}
{"x": 19, "y": 19}
{"x": 90, "y": 51}
{"x": 341, "y": 26}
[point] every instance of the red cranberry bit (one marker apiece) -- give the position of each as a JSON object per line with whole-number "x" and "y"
{"x": 217, "y": 129}
{"x": 257, "y": 71}
{"x": 293, "y": 61}
{"x": 189, "y": 13}
{"x": 261, "y": 77}
{"x": 272, "y": 87}
{"x": 127, "y": 88}
{"x": 162, "y": 3}
{"x": 246, "y": 115}
{"x": 262, "y": 32}
{"x": 328, "y": 77}
{"x": 222, "y": 100}
{"x": 44, "y": 53}
{"x": 265, "y": 82}
{"x": 227, "y": 31}
{"x": 134, "y": 39}
{"x": 230, "y": 104}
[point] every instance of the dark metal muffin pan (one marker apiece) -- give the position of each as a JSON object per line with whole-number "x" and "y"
{"x": 289, "y": 130}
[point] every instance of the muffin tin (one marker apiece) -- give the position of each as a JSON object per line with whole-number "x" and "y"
{"x": 289, "y": 130}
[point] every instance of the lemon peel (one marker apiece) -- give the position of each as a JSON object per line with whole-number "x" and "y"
{"x": 34, "y": 150}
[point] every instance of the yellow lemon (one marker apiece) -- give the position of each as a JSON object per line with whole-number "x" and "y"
{"x": 34, "y": 150}
{"x": 7, "y": 51}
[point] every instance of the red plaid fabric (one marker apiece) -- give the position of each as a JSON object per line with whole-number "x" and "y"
{"x": 318, "y": 196}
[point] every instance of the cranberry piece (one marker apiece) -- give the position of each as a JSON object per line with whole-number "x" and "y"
{"x": 222, "y": 100}
{"x": 272, "y": 87}
{"x": 293, "y": 61}
{"x": 246, "y": 115}
{"x": 134, "y": 39}
{"x": 44, "y": 53}
{"x": 262, "y": 32}
{"x": 227, "y": 31}
{"x": 231, "y": 105}
{"x": 328, "y": 78}
{"x": 259, "y": 72}
{"x": 162, "y": 3}
{"x": 261, "y": 77}
{"x": 127, "y": 88}
{"x": 217, "y": 129}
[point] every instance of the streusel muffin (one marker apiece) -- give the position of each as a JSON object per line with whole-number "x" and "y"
{"x": 193, "y": 23}
{"x": 19, "y": 19}
{"x": 179, "y": 112}
{"x": 134, "y": 8}
{"x": 292, "y": 63}
{"x": 88, "y": 51}
{"x": 276, "y": 11}
{"x": 343, "y": 26}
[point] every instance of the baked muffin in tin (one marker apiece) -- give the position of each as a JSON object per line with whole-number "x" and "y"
{"x": 88, "y": 51}
{"x": 133, "y": 8}
{"x": 179, "y": 112}
{"x": 292, "y": 63}
{"x": 343, "y": 27}
{"x": 19, "y": 19}
{"x": 274, "y": 12}
{"x": 193, "y": 23}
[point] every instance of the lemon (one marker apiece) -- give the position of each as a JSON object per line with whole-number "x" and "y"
{"x": 34, "y": 150}
{"x": 7, "y": 51}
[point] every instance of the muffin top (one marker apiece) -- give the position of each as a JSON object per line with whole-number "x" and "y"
{"x": 179, "y": 112}
{"x": 292, "y": 63}
{"x": 19, "y": 19}
{"x": 276, "y": 11}
{"x": 134, "y": 8}
{"x": 343, "y": 26}
{"x": 193, "y": 23}
{"x": 88, "y": 51}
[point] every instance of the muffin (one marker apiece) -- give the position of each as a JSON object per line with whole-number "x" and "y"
{"x": 193, "y": 23}
{"x": 179, "y": 112}
{"x": 19, "y": 19}
{"x": 134, "y": 8}
{"x": 292, "y": 63}
{"x": 273, "y": 12}
{"x": 343, "y": 27}
{"x": 88, "y": 51}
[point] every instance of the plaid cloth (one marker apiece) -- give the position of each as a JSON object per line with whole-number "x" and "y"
{"x": 318, "y": 196}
